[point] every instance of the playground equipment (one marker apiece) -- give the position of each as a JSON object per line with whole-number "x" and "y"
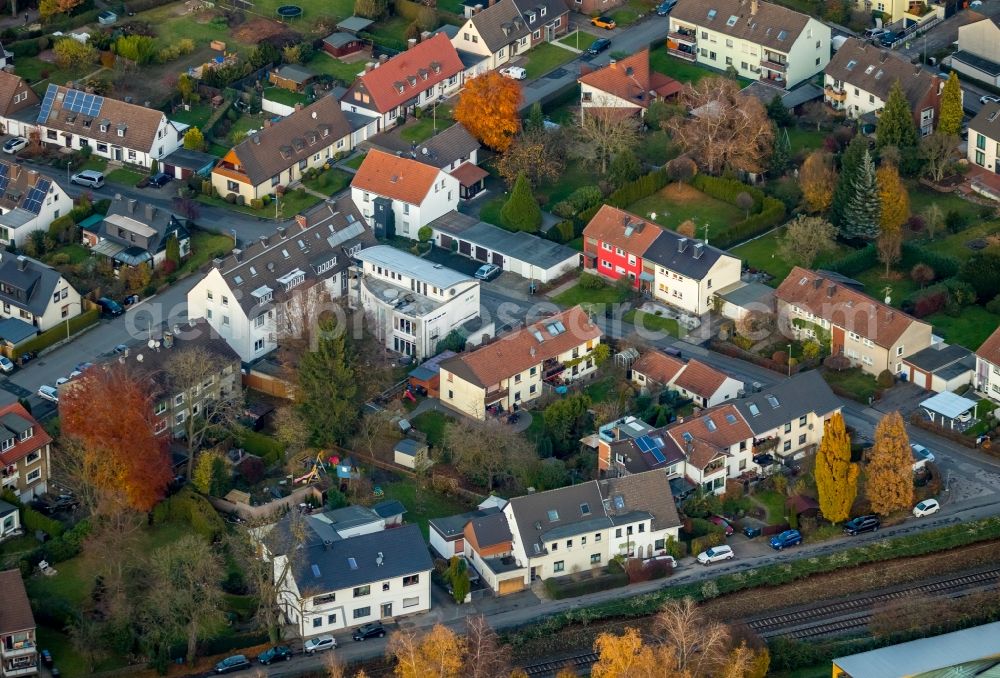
{"x": 408, "y": 394}
{"x": 318, "y": 469}
{"x": 289, "y": 12}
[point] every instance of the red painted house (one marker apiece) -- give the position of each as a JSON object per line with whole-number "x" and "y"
{"x": 614, "y": 243}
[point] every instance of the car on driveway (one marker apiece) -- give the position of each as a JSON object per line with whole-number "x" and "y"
{"x": 90, "y": 178}
{"x": 235, "y": 663}
{"x": 488, "y": 272}
{"x": 988, "y": 98}
{"x": 160, "y": 179}
{"x": 598, "y": 46}
{"x": 14, "y": 145}
{"x": 921, "y": 453}
{"x": 888, "y": 39}
{"x": 721, "y": 522}
{"x": 49, "y": 393}
{"x": 663, "y": 9}
{"x": 715, "y": 554}
{"x": 6, "y": 365}
{"x": 319, "y": 644}
{"x": 275, "y": 653}
{"x": 873, "y": 33}
{"x": 926, "y": 507}
{"x": 862, "y": 524}
{"x": 603, "y": 22}
{"x": 669, "y": 560}
{"x": 786, "y": 538}
{"x": 514, "y": 73}
{"x": 373, "y": 630}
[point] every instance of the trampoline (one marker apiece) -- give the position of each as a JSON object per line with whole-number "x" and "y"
{"x": 289, "y": 11}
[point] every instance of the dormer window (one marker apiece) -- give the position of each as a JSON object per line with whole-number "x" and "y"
{"x": 26, "y": 434}
{"x": 7, "y": 444}
{"x": 531, "y": 17}
{"x": 543, "y": 11}
{"x": 104, "y": 127}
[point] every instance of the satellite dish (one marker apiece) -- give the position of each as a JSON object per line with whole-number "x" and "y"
{"x": 652, "y": 216}
{"x": 151, "y": 344}
{"x": 139, "y": 357}
{"x": 156, "y": 344}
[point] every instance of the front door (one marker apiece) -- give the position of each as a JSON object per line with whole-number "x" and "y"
{"x": 386, "y": 610}
{"x": 118, "y": 153}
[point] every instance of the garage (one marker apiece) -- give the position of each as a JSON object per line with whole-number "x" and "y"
{"x": 446, "y": 241}
{"x": 465, "y": 248}
{"x": 481, "y": 254}
{"x": 508, "y": 586}
{"x": 498, "y": 259}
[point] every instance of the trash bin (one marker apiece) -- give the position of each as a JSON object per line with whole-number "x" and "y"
{"x": 751, "y": 532}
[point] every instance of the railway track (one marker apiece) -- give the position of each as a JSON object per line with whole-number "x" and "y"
{"x": 814, "y": 622}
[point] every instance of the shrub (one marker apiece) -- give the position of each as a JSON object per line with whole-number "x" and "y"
{"x": 885, "y": 379}
{"x": 189, "y": 507}
{"x": 564, "y": 587}
{"x": 562, "y": 232}
{"x": 231, "y": 198}
{"x": 425, "y": 233}
{"x": 265, "y": 447}
{"x": 993, "y": 305}
{"x": 33, "y": 520}
{"x": 590, "y": 281}
{"x": 857, "y": 261}
{"x": 945, "y": 266}
{"x": 955, "y": 221}
{"x": 780, "y": 357}
{"x": 708, "y": 541}
{"x": 251, "y": 469}
{"x": 256, "y": 204}
{"x": 577, "y": 201}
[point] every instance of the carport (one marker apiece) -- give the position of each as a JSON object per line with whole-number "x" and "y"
{"x": 948, "y": 406}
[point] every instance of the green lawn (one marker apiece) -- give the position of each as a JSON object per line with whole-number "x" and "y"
{"x": 656, "y": 148}
{"x": 218, "y": 150}
{"x": 293, "y": 203}
{"x": 670, "y": 213}
{"x": 452, "y": 6}
{"x": 423, "y": 503}
{"x": 580, "y": 40}
{"x": 576, "y": 243}
{"x": 578, "y": 294}
{"x": 860, "y": 384}
{"x": 970, "y": 329}
{"x": 900, "y": 284}
{"x": 922, "y": 197}
{"x": 762, "y": 254}
{"x": 805, "y": 139}
{"x": 77, "y": 253}
{"x": 418, "y": 131}
{"x": 546, "y": 57}
{"x": 283, "y": 96}
{"x": 324, "y": 64}
{"x": 774, "y": 502}
{"x": 650, "y": 321}
{"x": 205, "y": 245}
{"x": 490, "y": 211}
{"x": 394, "y": 28}
{"x": 432, "y": 424}
{"x": 330, "y": 182}
{"x": 244, "y": 124}
{"x": 34, "y": 70}
{"x": 630, "y": 12}
{"x": 124, "y": 176}
{"x": 680, "y": 70}
{"x": 356, "y": 161}
{"x": 574, "y": 176}
{"x": 312, "y": 10}
{"x": 196, "y": 117}
{"x": 957, "y": 244}
{"x": 94, "y": 162}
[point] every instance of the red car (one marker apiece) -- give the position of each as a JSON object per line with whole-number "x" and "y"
{"x": 721, "y": 522}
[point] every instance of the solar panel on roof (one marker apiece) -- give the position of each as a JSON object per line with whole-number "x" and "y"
{"x": 83, "y": 102}
{"x": 50, "y": 97}
{"x": 4, "y": 177}
{"x": 644, "y": 443}
{"x": 36, "y": 196}
{"x": 658, "y": 455}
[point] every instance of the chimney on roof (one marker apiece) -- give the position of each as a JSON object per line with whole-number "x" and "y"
{"x": 150, "y": 212}
{"x": 817, "y": 283}
{"x": 699, "y": 249}
{"x": 831, "y": 290}
{"x": 237, "y": 254}
{"x": 264, "y": 240}
{"x": 22, "y": 262}
{"x": 882, "y": 56}
{"x": 682, "y": 244}
{"x": 283, "y": 232}
{"x": 411, "y": 43}
{"x": 613, "y": 63}
{"x": 300, "y": 219}
{"x": 425, "y": 35}
{"x": 15, "y": 172}
{"x": 370, "y": 66}
{"x": 754, "y": 6}
{"x": 217, "y": 262}
{"x": 327, "y": 543}
{"x": 132, "y": 204}
{"x": 382, "y": 58}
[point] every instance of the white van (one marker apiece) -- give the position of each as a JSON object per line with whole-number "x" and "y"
{"x": 91, "y": 178}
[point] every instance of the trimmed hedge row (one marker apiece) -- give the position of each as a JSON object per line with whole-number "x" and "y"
{"x": 767, "y": 213}
{"x": 944, "y": 265}
{"x": 31, "y": 519}
{"x": 57, "y": 333}
{"x": 268, "y": 449}
{"x": 559, "y": 589}
{"x": 856, "y": 262}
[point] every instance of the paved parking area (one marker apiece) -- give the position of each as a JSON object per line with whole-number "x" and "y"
{"x": 904, "y": 398}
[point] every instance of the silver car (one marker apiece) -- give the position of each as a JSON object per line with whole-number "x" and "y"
{"x": 319, "y": 643}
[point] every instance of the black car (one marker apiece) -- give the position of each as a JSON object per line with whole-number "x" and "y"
{"x": 862, "y": 524}
{"x": 663, "y": 9}
{"x": 373, "y": 630}
{"x": 599, "y": 46}
{"x": 888, "y": 39}
{"x": 274, "y": 654}
{"x": 235, "y": 663}
{"x": 110, "y": 307}
{"x": 160, "y": 179}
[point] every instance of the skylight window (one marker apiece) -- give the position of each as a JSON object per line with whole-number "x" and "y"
{"x": 238, "y": 280}
{"x": 869, "y": 69}
{"x": 687, "y": 437}
{"x": 352, "y": 563}
{"x": 284, "y": 253}
{"x": 782, "y": 35}
{"x": 851, "y": 64}
{"x": 710, "y": 425}
{"x": 711, "y": 14}
{"x": 553, "y": 515}
{"x": 754, "y": 410}
{"x": 772, "y": 401}
{"x": 585, "y": 509}
{"x": 253, "y": 271}
{"x": 730, "y": 418}
{"x": 619, "y": 502}
{"x": 315, "y": 570}
{"x": 732, "y": 20}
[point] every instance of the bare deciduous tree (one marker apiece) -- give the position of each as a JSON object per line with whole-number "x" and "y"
{"x": 487, "y": 452}
{"x": 605, "y": 130}
{"x": 937, "y": 150}
{"x": 700, "y": 645}
{"x": 485, "y": 658}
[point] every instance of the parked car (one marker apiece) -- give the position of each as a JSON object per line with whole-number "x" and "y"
{"x": 663, "y": 9}
{"x": 82, "y": 367}
{"x": 989, "y": 98}
{"x": 888, "y": 39}
{"x": 862, "y": 524}
{"x": 47, "y": 659}
{"x": 872, "y": 33}
{"x": 603, "y": 22}
{"x": 926, "y": 508}
{"x": 786, "y": 538}
{"x": 715, "y": 554}
{"x": 488, "y": 272}
{"x": 160, "y": 179}
{"x": 965, "y": 417}
{"x": 6, "y": 365}
{"x": 120, "y": 348}
{"x": 721, "y": 522}
{"x": 922, "y": 452}
{"x": 14, "y": 145}
{"x": 235, "y": 663}
{"x": 61, "y": 380}
{"x": 48, "y": 393}
{"x": 372, "y": 630}
{"x": 91, "y": 178}
{"x": 275, "y": 653}
{"x": 319, "y": 644}
{"x": 598, "y": 46}
{"x": 661, "y": 559}
{"x": 110, "y": 307}
{"x": 514, "y": 73}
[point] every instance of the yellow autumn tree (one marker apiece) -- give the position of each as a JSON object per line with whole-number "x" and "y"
{"x": 890, "y": 467}
{"x": 488, "y": 108}
{"x": 626, "y": 655}
{"x": 836, "y": 476}
{"x": 893, "y": 196}
{"x": 817, "y": 177}
{"x": 439, "y": 653}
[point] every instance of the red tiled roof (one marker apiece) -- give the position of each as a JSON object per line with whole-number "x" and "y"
{"x": 469, "y": 174}
{"x": 409, "y": 73}
{"x": 622, "y": 229}
{"x": 395, "y": 177}
{"x": 700, "y": 379}
{"x": 630, "y": 79}
{"x": 990, "y": 350}
{"x": 38, "y": 439}
{"x": 721, "y": 426}
{"x": 658, "y": 366}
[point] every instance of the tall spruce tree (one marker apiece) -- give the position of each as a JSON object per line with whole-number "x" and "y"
{"x": 836, "y": 476}
{"x": 328, "y": 388}
{"x": 850, "y": 162}
{"x": 521, "y": 212}
{"x": 950, "y": 119}
{"x": 895, "y": 126}
{"x": 863, "y": 211}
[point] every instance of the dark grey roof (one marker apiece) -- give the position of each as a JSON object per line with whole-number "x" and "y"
{"x": 196, "y": 161}
{"x": 641, "y": 494}
{"x": 469, "y": 59}
{"x": 772, "y": 25}
{"x": 500, "y": 24}
{"x": 15, "y": 330}
{"x": 535, "y": 522}
{"x": 789, "y": 98}
{"x": 841, "y": 279}
{"x": 410, "y": 447}
{"x": 354, "y": 24}
{"x": 799, "y": 395}
{"x": 441, "y": 150}
{"x": 936, "y": 356}
{"x": 332, "y": 228}
{"x": 14, "y": 423}
{"x": 558, "y": 531}
{"x": 742, "y": 294}
{"x": 339, "y": 39}
{"x": 451, "y": 527}
{"x": 449, "y": 29}
{"x": 163, "y": 224}
{"x": 327, "y": 567}
{"x": 979, "y": 63}
{"x": 664, "y": 251}
{"x": 876, "y": 70}
{"x": 491, "y": 530}
{"x": 295, "y": 73}
{"x": 987, "y": 121}
{"x": 514, "y": 245}
{"x": 532, "y": 12}
{"x": 958, "y": 368}
{"x": 6, "y": 509}
{"x": 27, "y": 283}
{"x": 328, "y": 524}
{"x": 389, "y": 508}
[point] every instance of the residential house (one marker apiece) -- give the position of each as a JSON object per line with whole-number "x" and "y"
{"x": 860, "y": 77}
{"x": 514, "y": 368}
{"x": 292, "y": 77}
{"x": 703, "y": 384}
{"x": 399, "y": 195}
{"x": 447, "y": 534}
{"x": 17, "y": 101}
{"x": 983, "y": 147}
{"x": 174, "y": 402}
{"x": 507, "y": 29}
{"x": 941, "y": 367}
{"x": 10, "y": 521}
{"x": 574, "y": 529}
{"x": 717, "y": 444}
{"x": 489, "y": 549}
{"x": 416, "y": 78}
{"x": 280, "y": 153}
{"x": 267, "y": 289}
{"x": 740, "y": 299}
{"x": 628, "y": 84}
{"x": 688, "y": 273}
{"x": 24, "y": 453}
{"x": 978, "y": 55}
{"x": 29, "y": 202}
{"x": 759, "y": 40}
{"x": 413, "y": 302}
{"x": 453, "y": 150}
{"x": 332, "y": 582}
{"x": 614, "y": 243}
{"x": 987, "y": 378}
{"x": 525, "y": 254}
{"x": 35, "y": 294}
{"x": 185, "y": 163}
{"x": 629, "y": 445}
{"x": 113, "y": 129}
{"x": 410, "y": 453}
{"x": 18, "y": 643}
{"x": 131, "y": 234}
{"x": 875, "y": 336}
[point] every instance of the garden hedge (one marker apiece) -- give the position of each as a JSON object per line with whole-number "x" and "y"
{"x": 58, "y": 333}
{"x": 559, "y": 589}
{"x": 265, "y": 447}
{"x": 767, "y": 212}
{"x": 944, "y": 265}
{"x": 856, "y": 262}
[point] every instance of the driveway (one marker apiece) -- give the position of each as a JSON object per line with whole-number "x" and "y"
{"x": 904, "y": 398}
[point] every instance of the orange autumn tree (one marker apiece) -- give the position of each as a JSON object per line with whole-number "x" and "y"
{"x": 108, "y": 415}
{"x": 488, "y": 109}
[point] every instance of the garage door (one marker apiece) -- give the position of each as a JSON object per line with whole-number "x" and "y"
{"x": 481, "y": 253}
{"x": 446, "y": 241}
{"x": 511, "y": 586}
{"x": 465, "y": 248}
{"x": 498, "y": 259}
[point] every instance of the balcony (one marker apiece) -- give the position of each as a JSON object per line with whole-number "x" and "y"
{"x": 494, "y": 396}
{"x": 777, "y": 66}
{"x": 552, "y": 368}
{"x": 21, "y": 671}
{"x": 834, "y": 94}
{"x": 11, "y": 480}
{"x": 23, "y": 648}
{"x": 682, "y": 36}
{"x": 681, "y": 54}
{"x": 764, "y": 445}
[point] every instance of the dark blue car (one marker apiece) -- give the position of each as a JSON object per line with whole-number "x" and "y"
{"x": 786, "y": 538}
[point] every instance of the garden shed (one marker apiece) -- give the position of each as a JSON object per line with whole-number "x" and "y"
{"x": 341, "y": 44}
{"x": 410, "y": 453}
